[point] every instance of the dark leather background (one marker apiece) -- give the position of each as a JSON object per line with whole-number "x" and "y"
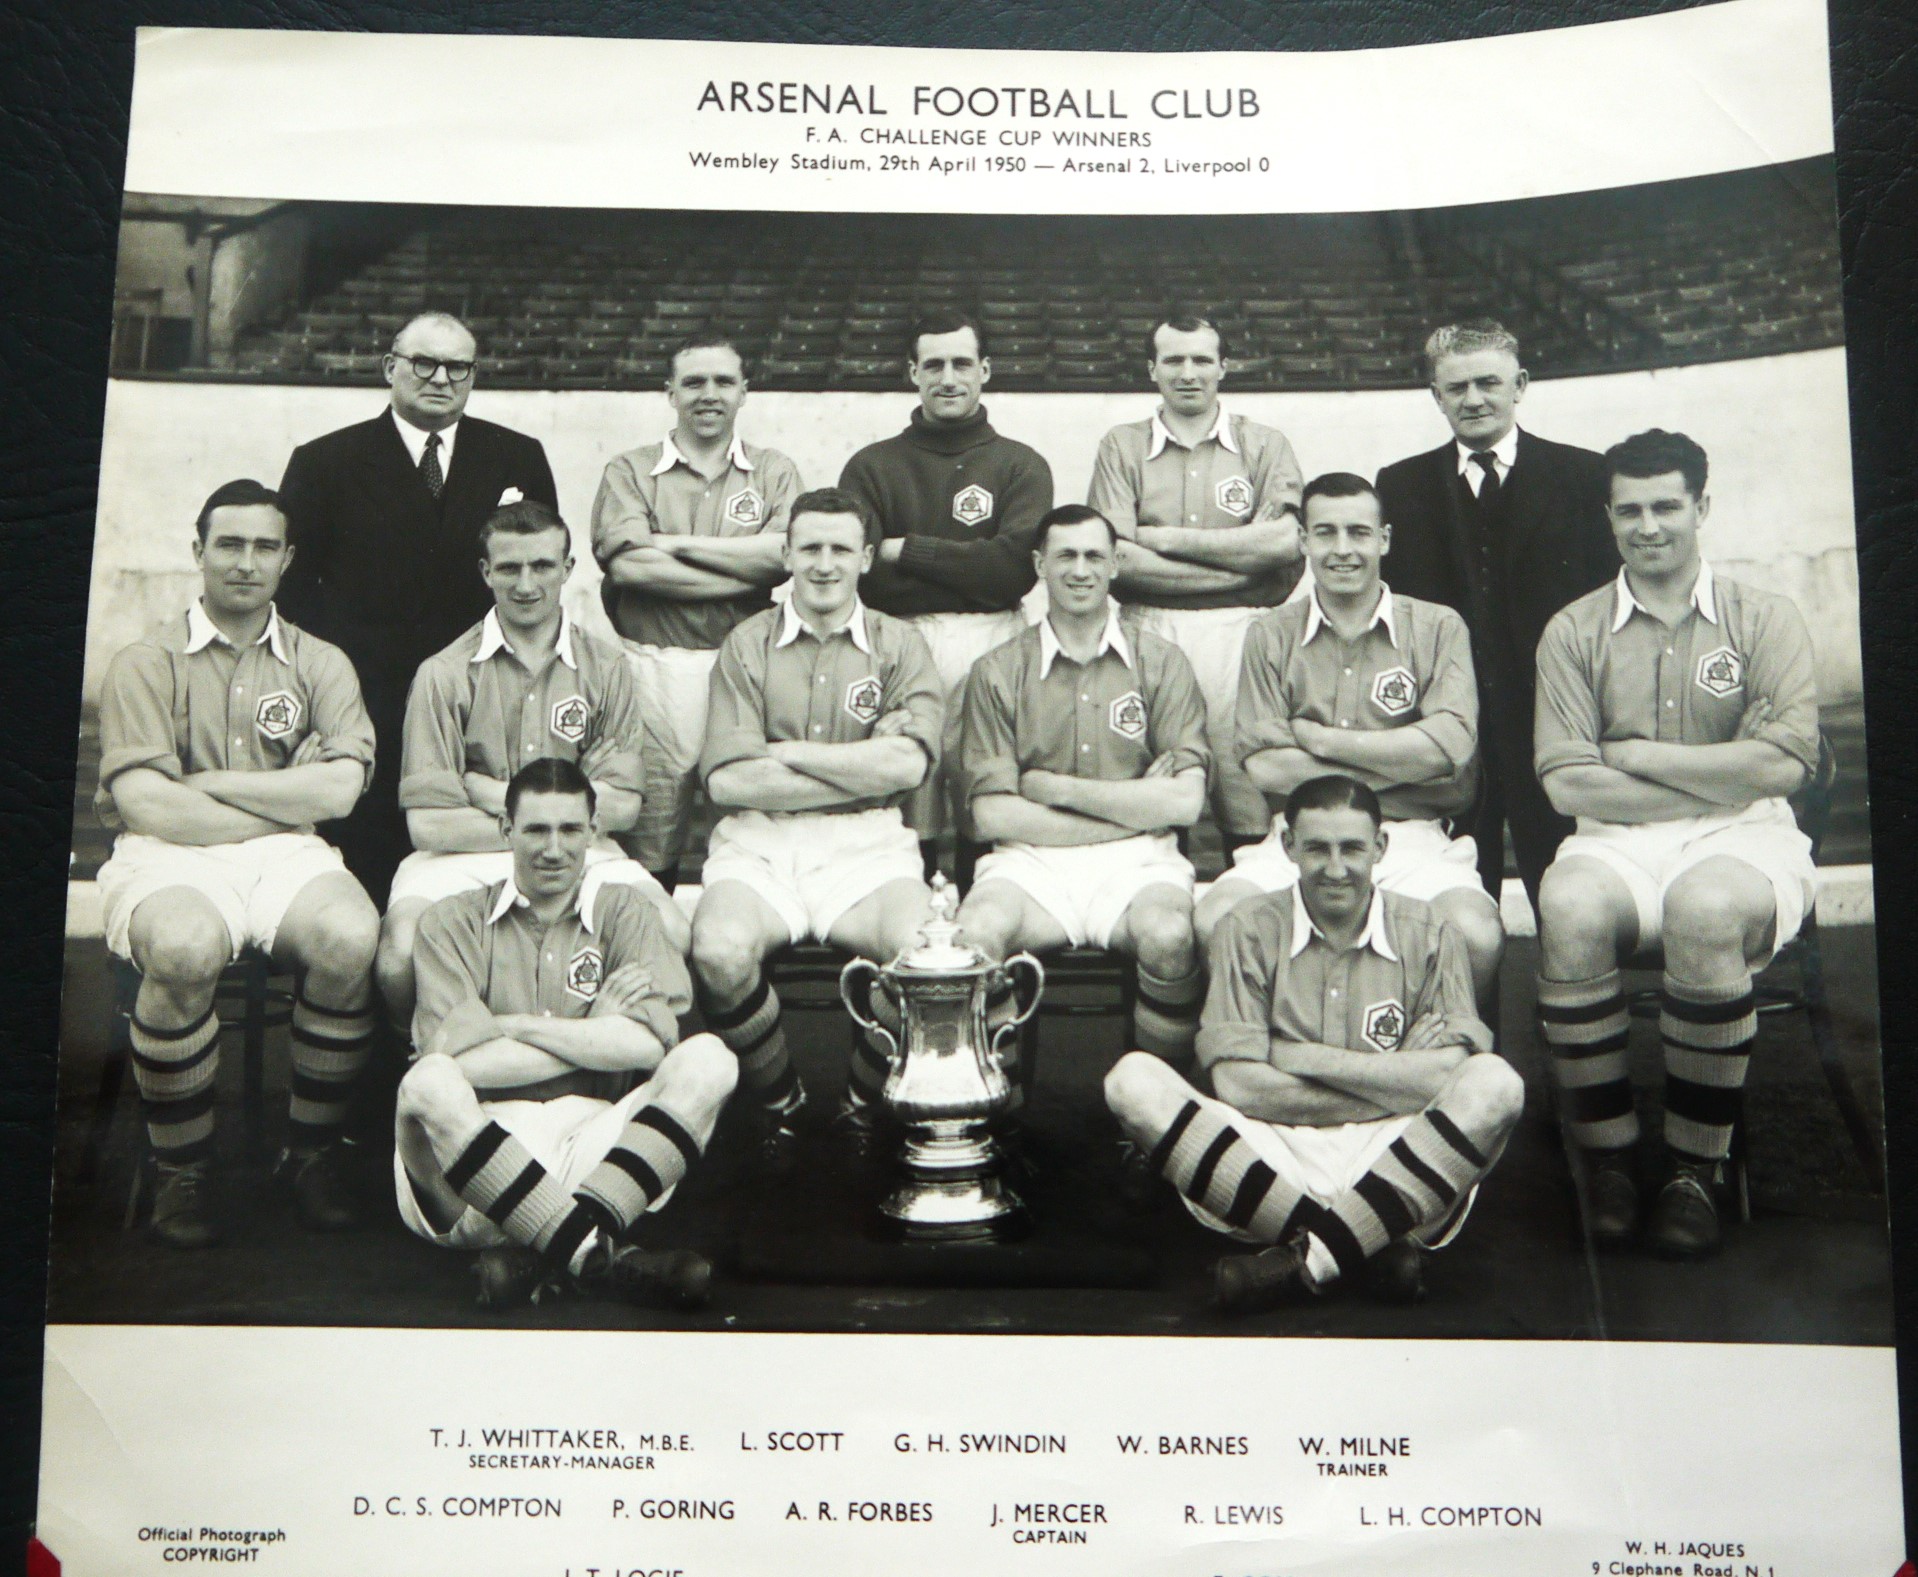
{"x": 65, "y": 71}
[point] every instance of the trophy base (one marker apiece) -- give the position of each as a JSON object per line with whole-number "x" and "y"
{"x": 952, "y": 1191}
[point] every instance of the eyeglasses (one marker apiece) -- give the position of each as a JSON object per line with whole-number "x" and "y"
{"x": 425, "y": 368}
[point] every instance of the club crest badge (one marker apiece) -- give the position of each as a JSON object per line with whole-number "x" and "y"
{"x": 1127, "y": 716}
{"x": 1721, "y": 672}
{"x": 1395, "y": 692}
{"x": 569, "y": 719}
{"x": 1385, "y": 1025}
{"x": 584, "y": 971}
{"x": 1234, "y": 495}
{"x": 862, "y": 699}
{"x": 277, "y": 715}
{"x": 972, "y": 506}
{"x": 746, "y": 508}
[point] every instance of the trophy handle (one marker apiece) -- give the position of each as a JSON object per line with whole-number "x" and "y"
{"x": 1012, "y": 968}
{"x": 856, "y": 981}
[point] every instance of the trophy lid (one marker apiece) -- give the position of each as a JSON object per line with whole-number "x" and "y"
{"x": 940, "y": 950}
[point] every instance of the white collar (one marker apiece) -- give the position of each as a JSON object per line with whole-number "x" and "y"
{"x": 415, "y": 440}
{"x": 1505, "y": 451}
{"x": 202, "y": 632}
{"x": 790, "y": 624}
{"x": 511, "y": 898}
{"x": 669, "y": 456}
{"x": 1162, "y": 434}
{"x": 1315, "y": 618}
{"x": 1111, "y": 639}
{"x": 1704, "y": 599}
{"x": 493, "y": 641}
{"x": 1304, "y": 928}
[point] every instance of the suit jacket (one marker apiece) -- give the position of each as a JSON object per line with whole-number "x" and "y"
{"x": 1560, "y": 546}
{"x": 382, "y": 569}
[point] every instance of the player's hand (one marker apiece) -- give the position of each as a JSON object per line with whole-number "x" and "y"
{"x": 1040, "y": 786}
{"x": 1163, "y": 766}
{"x": 1623, "y": 755}
{"x": 894, "y": 722}
{"x": 624, "y": 991}
{"x": 308, "y": 751}
{"x": 487, "y": 794}
{"x": 1427, "y": 1033}
{"x": 1155, "y": 539}
{"x": 1308, "y": 734}
{"x": 889, "y": 550}
{"x": 1757, "y": 715}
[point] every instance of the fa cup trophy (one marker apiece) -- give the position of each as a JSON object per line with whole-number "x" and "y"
{"x": 948, "y": 1076}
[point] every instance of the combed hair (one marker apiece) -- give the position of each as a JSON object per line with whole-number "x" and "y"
{"x": 549, "y": 775}
{"x": 1334, "y": 791}
{"x": 1185, "y": 320}
{"x": 1656, "y": 452}
{"x": 526, "y": 517}
{"x": 834, "y": 501}
{"x": 1069, "y": 515}
{"x": 1461, "y": 339}
{"x": 242, "y": 491}
{"x": 709, "y": 340}
{"x": 433, "y": 317}
{"x": 944, "y": 320}
{"x": 1339, "y": 484}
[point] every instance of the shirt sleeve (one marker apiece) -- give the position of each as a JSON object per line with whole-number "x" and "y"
{"x": 622, "y": 512}
{"x": 1236, "y": 1022}
{"x": 1262, "y": 717}
{"x": 337, "y": 710}
{"x": 635, "y": 936}
{"x": 1280, "y": 481}
{"x": 1448, "y": 710}
{"x": 780, "y": 481}
{"x": 1176, "y": 711}
{"x": 912, "y": 683}
{"x": 136, "y": 715}
{"x": 735, "y": 707}
{"x": 1782, "y": 671}
{"x": 1114, "y": 490}
{"x": 987, "y": 746}
{"x": 1447, "y": 988}
{"x": 445, "y": 955}
{"x": 1566, "y": 723}
{"x": 993, "y": 572}
{"x": 613, "y": 756}
{"x": 433, "y": 743}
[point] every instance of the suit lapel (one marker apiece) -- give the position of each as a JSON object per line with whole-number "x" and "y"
{"x": 1458, "y": 529}
{"x": 1527, "y": 519}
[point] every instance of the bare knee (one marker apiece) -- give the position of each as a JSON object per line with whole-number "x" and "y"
{"x": 342, "y": 939}
{"x": 1142, "y": 1092}
{"x": 1162, "y": 938}
{"x": 1487, "y": 1093}
{"x": 185, "y": 951}
{"x": 1575, "y": 920}
{"x": 1477, "y": 922}
{"x": 1225, "y": 896}
{"x": 673, "y": 921}
{"x": 726, "y": 957}
{"x": 987, "y": 923}
{"x": 433, "y": 1090}
{"x": 701, "y": 1071}
{"x": 1705, "y": 913}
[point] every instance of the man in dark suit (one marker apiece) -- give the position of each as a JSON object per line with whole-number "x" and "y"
{"x": 386, "y": 514}
{"x": 1507, "y": 528}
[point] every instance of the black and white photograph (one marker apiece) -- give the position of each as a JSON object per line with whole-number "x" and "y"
{"x": 723, "y": 780}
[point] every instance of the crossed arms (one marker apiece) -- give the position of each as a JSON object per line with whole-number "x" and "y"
{"x": 1316, "y": 1086}
{"x": 521, "y": 1051}
{"x": 224, "y": 806}
{"x": 1164, "y": 559}
{"x": 799, "y": 774}
{"x": 1056, "y": 809}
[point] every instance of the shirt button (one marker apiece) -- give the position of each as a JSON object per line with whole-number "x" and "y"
{"x": 1085, "y": 698}
{"x": 1345, "y": 722}
{"x": 818, "y": 728}
{"x": 1335, "y": 991}
{"x": 1348, "y": 670}
{"x": 1671, "y": 703}
{"x": 1191, "y": 517}
{"x": 1083, "y": 749}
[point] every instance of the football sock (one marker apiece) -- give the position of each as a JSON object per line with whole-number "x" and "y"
{"x": 1203, "y": 1156}
{"x": 1165, "y": 1014}
{"x": 174, "y": 1069}
{"x": 331, "y": 1046}
{"x": 1587, "y": 1029}
{"x": 653, "y": 1153}
{"x": 499, "y": 1178}
{"x": 1707, "y": 1033}
{"x": 753, "y": 1033}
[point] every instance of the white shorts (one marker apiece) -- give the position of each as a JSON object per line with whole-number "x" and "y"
{"x": 1649, "y": 857}
{"x": 252, "y": 884}
{"x": 1213, "y": 641}
{"x": 673, "y": 684}
{"x": 568, "y": 1135}
{"x": 1088, "y": 888}
{"x": 1421, "y": 861}
{"x": 1321, "y": 1163}
{"x": 429, "y": 876}
{"x": 812, "y": 866}
{"x": 956, "y": 641}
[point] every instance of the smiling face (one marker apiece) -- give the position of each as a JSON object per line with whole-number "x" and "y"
{"x": 1335, "y": 850}
{"x": 549, "y": 835}
{"x": 950, "y": 375}
{"x": 706, "y": 390}
{"x": 526, "y": 573}
{"x": 1655, "y": 520}
{"x": 1479, "y": 391}
{"x": 1344, "y": 540}
{"x": 434, "y": 402}
{"x": 1077, "y": 564}
{"x": 826, "y": 555}
{"x": 242, "y": 558}
{"x": 1187, "y": 368}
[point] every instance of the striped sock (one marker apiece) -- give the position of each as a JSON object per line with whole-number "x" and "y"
{"x": 652, "y": 1153}
{"x": 1587, "y": 1028}
{"x": 1708, "y": 1033}
{"x": 1202, "y": 1155}
{"x": 753, "y": 1033}
{"x": 174, "y": 1069}
{"x": 331, "y": 1046}
{"x": 1165, "y": 1014}
{"x": 499, "y": 1178}
{"x": 1415, "y": 1183}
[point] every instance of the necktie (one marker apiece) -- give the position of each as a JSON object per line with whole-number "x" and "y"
{"x": 1488, "y": 487}
{"x": 430, "y": 472}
